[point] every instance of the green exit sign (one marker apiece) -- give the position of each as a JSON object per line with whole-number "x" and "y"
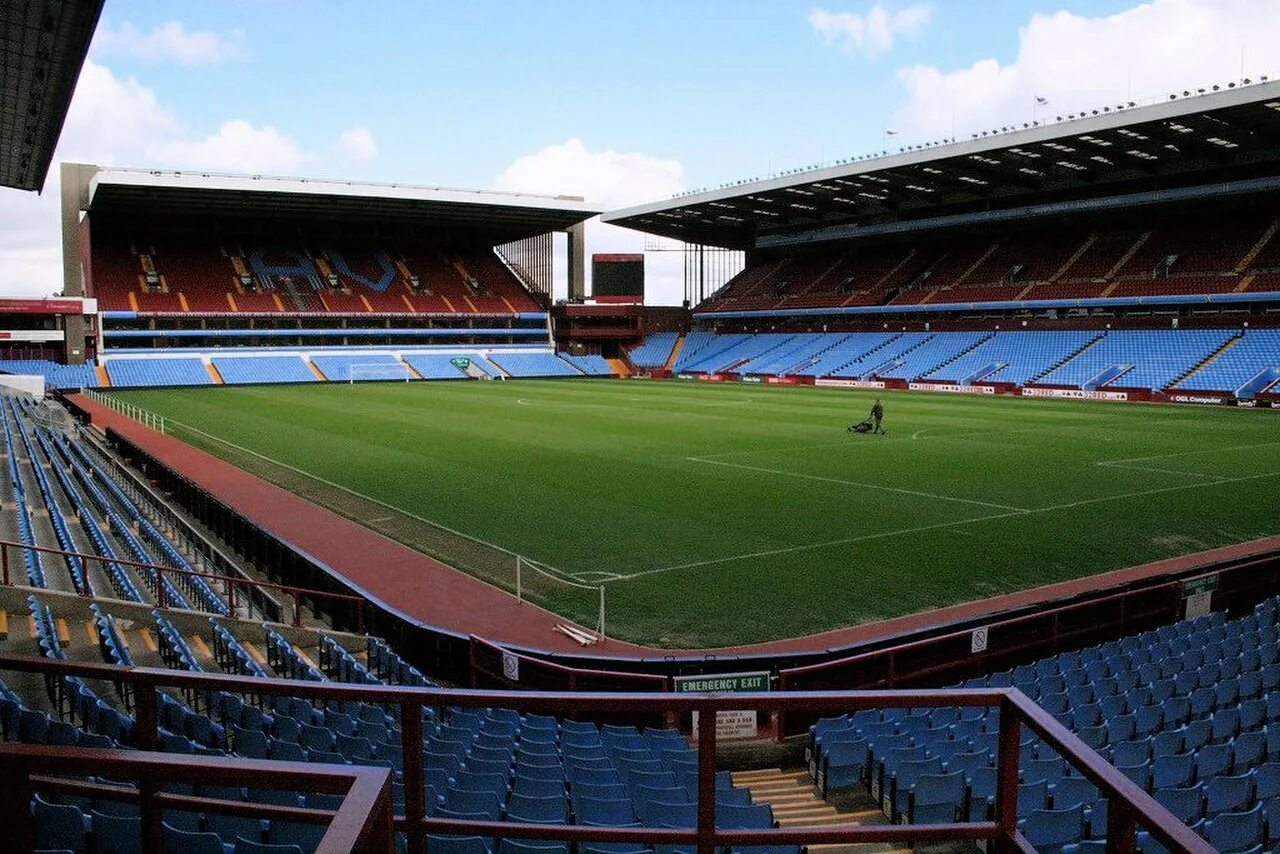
{"x": 724, "y": 683}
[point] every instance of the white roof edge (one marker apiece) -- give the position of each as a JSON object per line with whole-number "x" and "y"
{"x": 220, "y": 181}
{"x": 1160, "y": 110}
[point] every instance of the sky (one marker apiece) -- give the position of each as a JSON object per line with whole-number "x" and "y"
{"x": 617, "y": 100}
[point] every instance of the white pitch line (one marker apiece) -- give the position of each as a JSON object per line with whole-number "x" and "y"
{"x": 553, "y": 571}
{"x": 1191, "y": 453}
{"x": 855, "y": 443}
{"x": 1105, "y": 464}
{"x": 862, "y": 484}
{"x": 941, "y": 525}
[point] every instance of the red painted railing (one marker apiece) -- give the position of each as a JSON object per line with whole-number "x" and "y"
{"x": 230, "y": 586}
{"x": 1128, "y": 806}
{"x": 361, "y": 823}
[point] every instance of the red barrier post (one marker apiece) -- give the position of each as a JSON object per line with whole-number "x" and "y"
{"x": 415, "y": 807}
{"x": 4, "y": 562}
{"x": 706, "y": 781}
{"x": 147, "y": 722}
{"x": 1010, "y": 742}
{"x": 1122, "y": 827}
{"x": 160, "y": 597}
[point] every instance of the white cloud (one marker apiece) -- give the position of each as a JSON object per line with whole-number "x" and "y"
{"x": 1079, "y": 62}
{"x": 170, "y": 41}
{"x": 238, "y": 146}
{"x": 356, "y": 143}
{"x": 872, "y": 33}
{"x": 610, "y": 179}
{"x": 119, "y": 121}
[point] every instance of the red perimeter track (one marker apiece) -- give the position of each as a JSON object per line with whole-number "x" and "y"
{"x": 436, "y": 594}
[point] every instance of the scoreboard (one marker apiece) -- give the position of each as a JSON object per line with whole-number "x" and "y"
{"x": 617, "y": 277}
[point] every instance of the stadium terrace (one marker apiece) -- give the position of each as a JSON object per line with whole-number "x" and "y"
{"x": 327, "y": 528}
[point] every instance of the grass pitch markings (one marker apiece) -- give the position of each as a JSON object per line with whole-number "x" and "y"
{"x": 862, "y": 484}
{"x": 598, "y": 490}
{"x": 566, "y": 576}
{"x": 940, "y": 525}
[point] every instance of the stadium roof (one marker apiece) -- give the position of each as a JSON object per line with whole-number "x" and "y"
{"x": 1190, "y": 138}
{"x": 42, "y": 48}
{"x": 499, "y": 216}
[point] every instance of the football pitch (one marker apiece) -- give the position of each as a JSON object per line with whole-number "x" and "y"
{"x": 727, "y": 514}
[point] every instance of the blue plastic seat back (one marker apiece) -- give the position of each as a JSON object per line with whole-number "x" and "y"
{"x": 1228, "y": 794}
{"x": 458, "y": 845}
{"x": 756, "y": 816}
{"x": 546, "y": 809}
{"x": 1236, "y": 831}
{"x": 191, "y": 842}
{"x": 1051, "y": 829}
{"x": 610, "y": 813}
{"x": 58, "y": 826}
{"x": 1186, "y": 803}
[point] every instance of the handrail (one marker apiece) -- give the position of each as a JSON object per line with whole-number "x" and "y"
{"x": 361, "y": 823}
{"x": 1128, "y": 806}
{"x": 230, "y": 582}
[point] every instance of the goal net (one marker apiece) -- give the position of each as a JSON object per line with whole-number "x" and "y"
{"x": 378, "y": 371}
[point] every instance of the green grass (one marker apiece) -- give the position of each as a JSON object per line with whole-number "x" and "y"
{"x": 730, "y": 514}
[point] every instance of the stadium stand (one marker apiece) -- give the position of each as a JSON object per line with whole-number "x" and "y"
{"x": 932, "y": 353}
{"x": 1190, "y": 255}
{"x": 519, "y": 364}
{"x": 168, "y": 274}
{"x": 591, "y": 365}
{"x": 1185, "y": 359}
{"x": 1247, "y": 368}
{"x": 654, "y": 351}
{"x": 1189, "y": 711}
{"x": 130, "y": 372}
{"x": 847, "y": 351}
{"x": 1013, "y": 357}
{"x": 263, "y": 369}
{"x": 362, "y": 366}
{"x": 1139, "y": 358}
{"x": 433, "y": 367}
{"x": 55, "y": 375}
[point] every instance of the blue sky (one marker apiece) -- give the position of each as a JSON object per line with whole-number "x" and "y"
{"x": 454, "y": 92}
{"x": 620, "y": 101}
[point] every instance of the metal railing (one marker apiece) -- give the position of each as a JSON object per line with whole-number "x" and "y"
{"x": 1128, "y": 806}
{"x": 361, "y": 823}
{"x": 137, "y": 413}
{"x": 236, "y": 589}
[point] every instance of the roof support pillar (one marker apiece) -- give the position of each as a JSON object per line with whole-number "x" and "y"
{"x": 577, "y": 262}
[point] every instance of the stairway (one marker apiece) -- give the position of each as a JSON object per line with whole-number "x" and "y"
{"x": 1213, "y": 357}
{"x": 964, "y": 277}
{"x": 214, "y": 373}
{"x": 104, "y": 380}
{"x": 295, "y": 295}
{"x": 620, "y": 367}
{"x": 1124, "y": 259}
{"x": 1075, "y": 256}
{"x": 1257, "y": 247}
{"x": 796, "y": 802}
{"x": 675, "y": 353}
{"x": 1067, "y": 358}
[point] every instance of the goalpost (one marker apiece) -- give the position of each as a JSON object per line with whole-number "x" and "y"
{"x": 384, "y": 371}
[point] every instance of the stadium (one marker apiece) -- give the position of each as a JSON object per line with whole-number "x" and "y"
{"x": 943, "y": 514}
